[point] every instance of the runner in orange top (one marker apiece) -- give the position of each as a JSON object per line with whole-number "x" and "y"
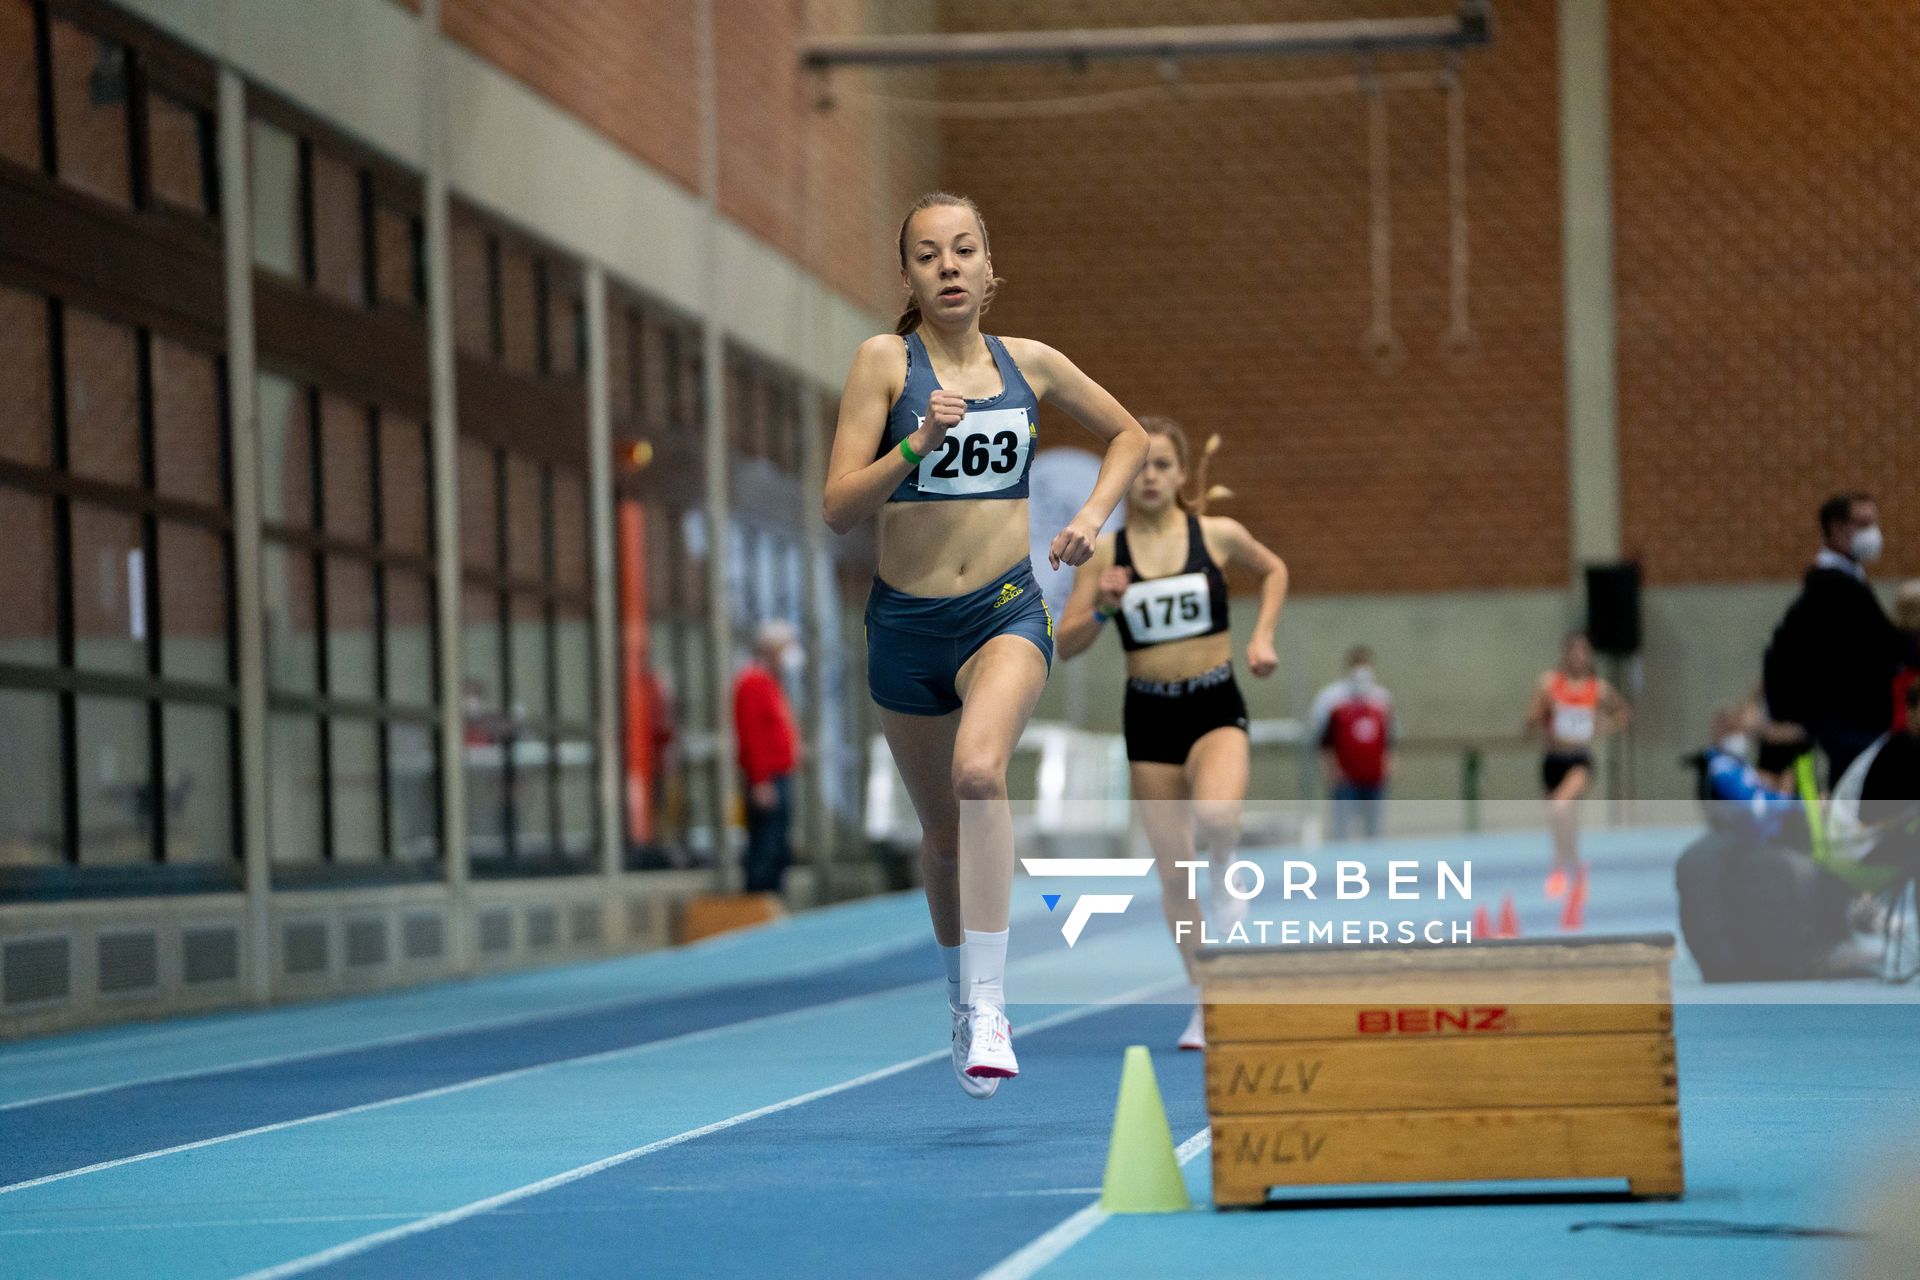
{"x": 1572, "y": 709}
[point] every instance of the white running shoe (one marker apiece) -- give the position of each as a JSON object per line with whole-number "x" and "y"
{"x": 976, "y": 1086}
{"x": 1195, "y": 1036}
{"x": 990, "y": 1052}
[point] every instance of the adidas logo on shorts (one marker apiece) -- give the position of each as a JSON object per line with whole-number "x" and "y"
{"x": 1009, "y": 591}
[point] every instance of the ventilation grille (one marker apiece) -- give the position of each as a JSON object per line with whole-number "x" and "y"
{"x": 496, "y": 931}
{"x": 543, "y": 928}
{"x": 366, "y": 943}
{"x": 303, "y": 946}
{"x": 36, "y": 971}
{"x": 425, "y": 936}
{"x": 586, "y": 924}
{"x": 210, "y": 954}
{"x": 129, "y": 961}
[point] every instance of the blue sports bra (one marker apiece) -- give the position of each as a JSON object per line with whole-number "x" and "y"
{"x": 988, "y": 452}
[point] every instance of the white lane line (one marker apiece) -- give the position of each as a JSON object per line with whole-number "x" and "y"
{"x": 441, "y": 1091}
{"x": 549, "y": 1014}
{"x": 353, "y": 1248}
{"x": 1045, "y": 1249}
{"x": 185, "y": 1225}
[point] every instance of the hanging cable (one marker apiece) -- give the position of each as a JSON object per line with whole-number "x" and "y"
{"x": 1459, "y": 326}
{"x": 1380, "y": 342}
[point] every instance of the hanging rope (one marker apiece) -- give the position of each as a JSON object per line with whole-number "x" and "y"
{"x": 1459, "y": 326}
{"x": 1380, "y": 342}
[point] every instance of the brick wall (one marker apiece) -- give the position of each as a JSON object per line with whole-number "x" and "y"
{"x": 630, "y": 69}
{"x": 1209, "y": 260}
{"x": 1767, "y": 244}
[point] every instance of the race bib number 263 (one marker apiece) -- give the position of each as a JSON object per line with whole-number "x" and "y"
{"x": 983, "y": 453}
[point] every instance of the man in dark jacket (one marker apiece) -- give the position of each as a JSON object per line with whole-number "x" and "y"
{"x": 1834, "y": 654}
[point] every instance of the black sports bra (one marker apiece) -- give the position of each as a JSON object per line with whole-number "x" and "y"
{"x": 1179, "y": 606}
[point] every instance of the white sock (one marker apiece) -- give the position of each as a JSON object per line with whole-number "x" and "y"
{"x": 987, "y": 967}
{"x": 950, "y": 957}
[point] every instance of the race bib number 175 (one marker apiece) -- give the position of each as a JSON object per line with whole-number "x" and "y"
{"x": 1162, "y": 609}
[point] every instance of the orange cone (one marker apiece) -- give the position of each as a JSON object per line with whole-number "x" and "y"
{"x": 1482, "y": 926}
{"x": 1509, "y": 919}
{"x": 1574, "y": 918}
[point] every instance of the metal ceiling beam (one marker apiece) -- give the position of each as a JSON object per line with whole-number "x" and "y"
{"x": 1471, "y": 26}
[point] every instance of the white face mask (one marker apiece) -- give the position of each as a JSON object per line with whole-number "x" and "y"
{"x": 793, "y": 664}
{"x": 1867, "y": 544}
{"x": 1738, "y": 745}
{"x": 1362, "y": 677}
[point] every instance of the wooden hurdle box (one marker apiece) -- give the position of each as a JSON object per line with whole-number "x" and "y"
{"x": 1498, "y": 1060}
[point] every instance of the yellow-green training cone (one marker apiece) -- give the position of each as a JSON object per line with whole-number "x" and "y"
{"x": 1143, "y": 1174}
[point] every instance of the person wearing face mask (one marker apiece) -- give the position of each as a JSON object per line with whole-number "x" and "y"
{"x": 1353, "y": 723}
{"x": 1834, "y": 654}
{"x": 769, "y": 750}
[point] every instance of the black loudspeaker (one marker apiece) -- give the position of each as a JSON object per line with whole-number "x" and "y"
{"x": 1613, "y": 607}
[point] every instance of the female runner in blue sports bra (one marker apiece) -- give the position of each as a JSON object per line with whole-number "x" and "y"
{"x": 936, "y": 432}
{"x": 1162, "y": 576}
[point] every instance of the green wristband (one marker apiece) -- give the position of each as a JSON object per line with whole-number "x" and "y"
{"x": 906, "y": 451}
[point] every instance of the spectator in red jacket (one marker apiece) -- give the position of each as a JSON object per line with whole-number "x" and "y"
{"x": 769, "y": 752}
{"x": 1353, "y": 725}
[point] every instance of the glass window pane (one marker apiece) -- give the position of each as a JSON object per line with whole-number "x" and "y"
{"x": 526, "y": 520}
{"x": 573, "y": 658}
{"x": 199, "y": 760}
{"x": 657, "y": 375}
{"x": 109, "y": 590}
{"x": 293, "y": 781}
{"x": 413, "y": 796}
{"x": 346, "y": 469}
{"x": 350, "y": 629}
{"x": 563, "y": 324}
{"x": 519, "y": 310}
{"x": 532, "y": 797}
{"x": 356, "y": 791}
{"x": 529, "y": 641}
{"x": 480, "y": 658}
{"x": 275, "y": 169}
{"x": 193, "y": 603}
{"x": 479, "y": 511}
{"x": 29, "y": 624}
{"x": 409, "y": 639}
{"x": 576, "y": 797}
{"x": 620, "y": 371}
{"x": 339, "y": 255}
{"x": 395, "y": 256}
{"x": 188, "y": 460}
{"x": 405, "y": 486}
{"x": 286, "y": 454}
{"x": 19, "y": 87}
{"x": 570, "y": 520}
{"x": 26, "y": 410}
{"x": 103, "y": 399}
{"x": 472, "y": 290}
{"x": 116, "y": 783}
{"x": 32, "y": 825}
{"x": 90, "y": 113}
{"x": 292, "y": 657}
{"x": 176, "y": 147}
